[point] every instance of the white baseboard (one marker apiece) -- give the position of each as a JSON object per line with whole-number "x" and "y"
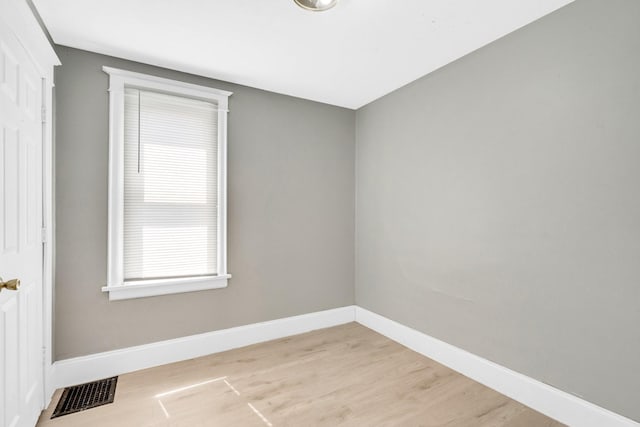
{"x": 89, "y": 368}
{"x": 557, "y": 404}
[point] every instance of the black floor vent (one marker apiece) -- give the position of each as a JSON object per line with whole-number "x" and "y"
{"x": 86, "y": 396}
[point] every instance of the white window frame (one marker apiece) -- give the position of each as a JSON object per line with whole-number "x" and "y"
{"x": 117, "y": 287}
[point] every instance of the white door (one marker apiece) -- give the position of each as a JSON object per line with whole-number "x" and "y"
{"x": 21, "y": 320}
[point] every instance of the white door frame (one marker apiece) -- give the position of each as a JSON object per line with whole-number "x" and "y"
{"x": 20, "y": 19}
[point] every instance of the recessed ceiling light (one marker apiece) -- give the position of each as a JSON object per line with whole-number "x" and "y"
{"x": 316, "y": 5}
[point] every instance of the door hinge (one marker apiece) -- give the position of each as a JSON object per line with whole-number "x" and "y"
{"x": 43, "y": 235}
{"x": 43, "y": 114}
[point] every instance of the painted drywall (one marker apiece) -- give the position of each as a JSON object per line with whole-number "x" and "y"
{"x": 290, "y": 214}
{"x": 498, "y": 203}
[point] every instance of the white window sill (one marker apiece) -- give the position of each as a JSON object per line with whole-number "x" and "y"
{"x": 149, "y": 288}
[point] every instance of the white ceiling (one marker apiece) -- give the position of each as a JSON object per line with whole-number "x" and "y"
{"x": 348, "y": 56}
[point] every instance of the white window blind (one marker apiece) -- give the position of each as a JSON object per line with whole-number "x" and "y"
{"x": 170, "y": 186}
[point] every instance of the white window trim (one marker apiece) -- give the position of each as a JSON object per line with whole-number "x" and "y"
{"x": 116, "y": 286}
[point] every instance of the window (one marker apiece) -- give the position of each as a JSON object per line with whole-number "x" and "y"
{"x": 167, "y": 186}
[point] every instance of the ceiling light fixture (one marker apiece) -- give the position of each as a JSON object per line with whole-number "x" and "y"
{"x": 316, "y": 5}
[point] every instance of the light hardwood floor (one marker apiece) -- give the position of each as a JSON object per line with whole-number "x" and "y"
{"x": 342, "y": 376}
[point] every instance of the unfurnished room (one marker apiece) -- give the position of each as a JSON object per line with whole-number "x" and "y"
{"x": 270, "y": 213}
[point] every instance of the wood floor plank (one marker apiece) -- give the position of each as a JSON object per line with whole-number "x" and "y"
{"x": 342, "y": 376}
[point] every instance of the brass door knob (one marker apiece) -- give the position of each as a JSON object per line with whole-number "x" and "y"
{"x": 12, "y": 284}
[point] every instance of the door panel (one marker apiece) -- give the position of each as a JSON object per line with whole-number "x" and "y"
{"x": 10, "y": 151}
{"x": 10, "y": 405}
{"x": 21, "y": 355}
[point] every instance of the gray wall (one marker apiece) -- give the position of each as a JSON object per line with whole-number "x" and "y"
{"x": 291, "y": 215}
{"x": 498, "y": 203}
